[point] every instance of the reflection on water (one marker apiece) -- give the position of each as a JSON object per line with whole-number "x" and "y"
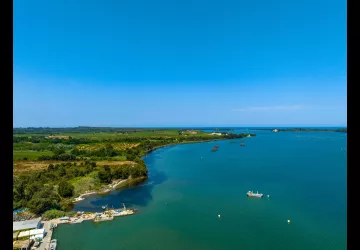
{"x": 135, "y": 195}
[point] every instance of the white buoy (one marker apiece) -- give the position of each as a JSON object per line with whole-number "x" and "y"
{"x": 268, "y": 196}
{"x": 219, "y": 216}
{"x": 288, "y": 221}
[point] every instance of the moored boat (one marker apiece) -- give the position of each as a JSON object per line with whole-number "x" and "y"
{"x": 252, "y": 194}
{"x": 53, "y": 244}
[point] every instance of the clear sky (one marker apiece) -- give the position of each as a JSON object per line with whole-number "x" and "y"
{"x": 179, "y": 63}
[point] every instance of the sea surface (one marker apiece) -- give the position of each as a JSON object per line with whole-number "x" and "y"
{"x": 189, "y": 186}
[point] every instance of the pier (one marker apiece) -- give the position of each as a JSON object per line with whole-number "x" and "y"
{"x": 79, "y": 218}
{"x": 45, "y": 243}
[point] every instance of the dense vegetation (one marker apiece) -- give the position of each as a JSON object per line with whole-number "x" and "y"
{"x": 72, "y": 162}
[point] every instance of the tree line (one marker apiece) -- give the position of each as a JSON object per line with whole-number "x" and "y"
{"x": 51, "y": 189}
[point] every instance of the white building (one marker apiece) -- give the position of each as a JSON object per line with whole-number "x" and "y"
{"x": 27, "y": 224}
{"x": 33, "y": 234}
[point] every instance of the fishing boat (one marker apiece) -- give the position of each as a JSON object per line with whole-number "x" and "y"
{"x": 252, "y": 194}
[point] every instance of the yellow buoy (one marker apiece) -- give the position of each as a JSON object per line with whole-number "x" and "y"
{"x": 288, "y": 221}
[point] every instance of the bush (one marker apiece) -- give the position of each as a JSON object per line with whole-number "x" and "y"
{"x": 66, "y": 189}
{"x": 44, "y": 200}
{"x": 53, "y": 214}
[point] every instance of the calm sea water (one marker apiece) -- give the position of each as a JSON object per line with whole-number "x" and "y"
{"x": 188, "y": 186}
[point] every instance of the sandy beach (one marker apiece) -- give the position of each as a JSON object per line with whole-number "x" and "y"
{"x": 111, "y": 187}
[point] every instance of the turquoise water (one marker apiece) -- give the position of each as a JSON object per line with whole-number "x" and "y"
{"x": 188, "y": 186}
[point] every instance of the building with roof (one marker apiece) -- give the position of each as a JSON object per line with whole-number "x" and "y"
{"x": 27, "y": 224}
{"x": 35, "y": 233}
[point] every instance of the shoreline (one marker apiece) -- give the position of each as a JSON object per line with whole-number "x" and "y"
{"x": 190, "y": 142}
{"x": 91, "y": 216}
{"x": 112, "y": 187}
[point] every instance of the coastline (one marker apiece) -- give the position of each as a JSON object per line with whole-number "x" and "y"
{"x": 110, "y": 188}
{"x": 189, "y": 142}
{"x": 117, "y": 185}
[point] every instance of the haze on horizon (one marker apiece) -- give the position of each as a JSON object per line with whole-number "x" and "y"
{"x": 179, "y": 63}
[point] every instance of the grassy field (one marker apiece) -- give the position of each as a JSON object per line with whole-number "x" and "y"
{"x": 97, "y": 146}
{"x": 31, "y": 150}
{"x": 31, "y": 155}
{"x": 83, "y": 184}
{"x": 22, "y": 167}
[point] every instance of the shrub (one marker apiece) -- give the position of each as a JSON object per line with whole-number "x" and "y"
{"x": 53, "y": 214}
{"x": 66, "y": 189}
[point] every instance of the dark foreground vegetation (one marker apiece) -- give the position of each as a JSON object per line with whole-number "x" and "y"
{"x": 52, "y": 166}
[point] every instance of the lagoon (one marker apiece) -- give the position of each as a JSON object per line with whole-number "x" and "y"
{"x": 188, "y": 186}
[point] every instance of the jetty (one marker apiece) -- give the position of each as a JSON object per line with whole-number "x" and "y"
{"x": 45, "y": 242}
{"x": 80, "y": 216}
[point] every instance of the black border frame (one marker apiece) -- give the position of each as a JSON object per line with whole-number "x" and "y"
{"x": 351, "y": 151}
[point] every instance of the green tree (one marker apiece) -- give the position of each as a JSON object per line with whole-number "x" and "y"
{"x": 65, "y": 189}
{"x": 105, "y": 174}
{"x": 58, "y": 150}
{"x": 51, "y": 167}
{"x": 44, "y": 200}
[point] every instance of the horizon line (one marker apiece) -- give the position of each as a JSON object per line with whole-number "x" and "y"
{"x": 248, "y": 126}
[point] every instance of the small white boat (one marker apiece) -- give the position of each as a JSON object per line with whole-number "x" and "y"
{"x": 252, "y": 194}
{"x": 53, "y": 244}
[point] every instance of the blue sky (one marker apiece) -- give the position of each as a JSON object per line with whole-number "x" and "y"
{"x": 179, "y": 63}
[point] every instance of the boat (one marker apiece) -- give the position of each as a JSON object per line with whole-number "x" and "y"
{"x": 103, "y": 218}
{"x": 104, "y": 207}
{"x": 53, "y": 244}
{"x": 76, "y": 221}
{"x": 242, "y": 144}
{"x": 252, "y": 194}
{"x": 64, "y": 218}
